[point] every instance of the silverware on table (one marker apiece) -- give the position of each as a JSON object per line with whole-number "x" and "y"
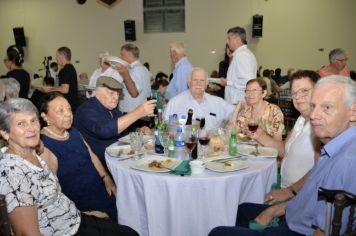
{"x": 223, "y": 160}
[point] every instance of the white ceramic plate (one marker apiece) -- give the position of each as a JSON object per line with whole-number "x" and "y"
{"x": 146, "y": 138}
{"x": 144, "y": 164}
{"x": 221, "y": 167}
{"x": 249, "y": 150}
{"x": 113, "y": 61}
{"x": 120, "y": 151}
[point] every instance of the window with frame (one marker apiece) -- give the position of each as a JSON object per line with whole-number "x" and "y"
{"x": 163, "y": 16}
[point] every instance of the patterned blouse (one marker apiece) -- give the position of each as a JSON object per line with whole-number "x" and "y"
{"x": 25, "y": 184}
{"x": 272, "y": 120}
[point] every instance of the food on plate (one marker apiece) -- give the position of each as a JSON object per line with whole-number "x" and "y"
{"x": 216, "y": 142}
{"x": 242, "y": 137}
{"x": 228, "y": 165}
{"x": 160, "y": 164}
{"x": 167, "y": 162}
{"x": 214, "y": 153}
{"x": 155, "y": 164}
{"x": 253, "y": 153}
{"x": 131, "y": 152}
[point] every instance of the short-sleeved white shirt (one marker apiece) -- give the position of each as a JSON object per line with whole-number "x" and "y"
{"x": 25, "y": 184}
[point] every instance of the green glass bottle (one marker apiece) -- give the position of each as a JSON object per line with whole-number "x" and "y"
{"x": 232, "y": 144}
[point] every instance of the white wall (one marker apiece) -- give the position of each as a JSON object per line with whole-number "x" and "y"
{"x": 292, "y": 34}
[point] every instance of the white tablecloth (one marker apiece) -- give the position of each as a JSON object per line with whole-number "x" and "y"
{"x": 162, "y": 204}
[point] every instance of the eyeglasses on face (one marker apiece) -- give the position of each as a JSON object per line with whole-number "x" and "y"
{"x": 342, "y": 59}
{"x": 301, "y": 92}
{"x": 252, "y": 90}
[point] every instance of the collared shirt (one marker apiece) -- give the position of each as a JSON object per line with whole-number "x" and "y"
{"x": 110, "y": 72}
{"x": 243, "y": 68}
{"x": 141, "y": 77}
{"x": 334, "y": 170}
{"x": 98, "y": 125}
{"x": 213, "y": 108}
{"x": 179, "y": 81}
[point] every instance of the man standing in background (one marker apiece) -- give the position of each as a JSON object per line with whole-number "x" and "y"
{"x": 182, "y": 69}
{"x": 243, "y": 66}
{"x": 67, "y": 78}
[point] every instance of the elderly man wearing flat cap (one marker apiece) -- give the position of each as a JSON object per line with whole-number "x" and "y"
{"x": 99, "y": 120}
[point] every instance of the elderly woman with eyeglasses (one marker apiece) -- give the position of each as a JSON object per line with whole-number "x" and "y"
{"x": 300, "y": 149}
{"x": 268, "y": 116}
{"x": 35, "y": 202}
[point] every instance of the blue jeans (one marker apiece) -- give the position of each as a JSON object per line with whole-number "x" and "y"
{"x": 247, "y": 212}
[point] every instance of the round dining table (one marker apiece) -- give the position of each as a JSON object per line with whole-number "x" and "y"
{"x": 163, "y": 204}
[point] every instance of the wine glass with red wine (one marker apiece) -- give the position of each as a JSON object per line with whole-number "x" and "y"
{"x": 204, "y": 140}
{"x": 191, "y": 143}
{"x": 252, "y": 126}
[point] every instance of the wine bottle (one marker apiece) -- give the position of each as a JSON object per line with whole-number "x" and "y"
{"x": 190, "y": 117}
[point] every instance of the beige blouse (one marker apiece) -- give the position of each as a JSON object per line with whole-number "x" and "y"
{"x": 271, "y": 121}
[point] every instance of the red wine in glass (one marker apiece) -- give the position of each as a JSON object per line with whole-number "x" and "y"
{"x": 252, "y": 126}
{"x": 204, "y": 141}
{"x": 191, "y": 143}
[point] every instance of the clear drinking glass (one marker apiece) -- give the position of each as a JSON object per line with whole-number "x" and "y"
{"x": 164, "y": 137}
{"x": 136, "y": 141}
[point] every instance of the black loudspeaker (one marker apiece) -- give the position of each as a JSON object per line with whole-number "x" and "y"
{"x": 130, "y": 30}
{"x": 19, "y": 35}
{"x": 108, "y": 3}
{"x": 257, "y": 26}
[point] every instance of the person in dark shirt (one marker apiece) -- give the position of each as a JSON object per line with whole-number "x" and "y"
{"x": 37, "y": 94}
{"x": 67, "y": 78}
{"x": 13, "y": 62}
{"x": 100, "y": 122}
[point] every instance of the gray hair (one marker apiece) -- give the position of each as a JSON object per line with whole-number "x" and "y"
{"x": 2, "y": 91}
{"x": 178, "y": 47}
{"x": 238, "y": 32}
{"x": 132, "y": 48}
{"x": 15, "y": 105}
{"x": 197, "y": 69}
{"x": 104, "y": 54}
{"x": 348, "y": 84}
{"x": 12, "y": 87}
{"x": 333, "y": 54}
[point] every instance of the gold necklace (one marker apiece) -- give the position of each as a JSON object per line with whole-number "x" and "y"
{"x": 62, "y": 136}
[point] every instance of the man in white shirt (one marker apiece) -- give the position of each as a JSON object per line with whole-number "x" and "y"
{"x": 136, "y": 78}
{"x": 213, "y": 108}
{"x": 243, "y": 66}
{"x": 103, "y": 70}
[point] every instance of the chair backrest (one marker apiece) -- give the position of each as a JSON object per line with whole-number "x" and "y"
{"x": 290, "y": 113}
{"x": 5, "y": 228}
{"x": 340, "y": 199}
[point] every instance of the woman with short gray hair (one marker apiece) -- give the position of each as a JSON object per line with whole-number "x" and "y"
{"x": 35, "y": 202}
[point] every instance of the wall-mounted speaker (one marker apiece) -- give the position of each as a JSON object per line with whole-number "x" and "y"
{"x": 257, "y": 26}
{"x": 19, "y": 35}
{"x": 108, "y": 3}
{"x": 130, "y": 30}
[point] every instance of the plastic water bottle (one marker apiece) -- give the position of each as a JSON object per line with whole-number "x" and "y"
{"x": 158, "y": 145}
{"x": 179, "y": 143}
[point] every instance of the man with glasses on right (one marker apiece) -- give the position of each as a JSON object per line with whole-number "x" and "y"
{"x": 337, "y": 66}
